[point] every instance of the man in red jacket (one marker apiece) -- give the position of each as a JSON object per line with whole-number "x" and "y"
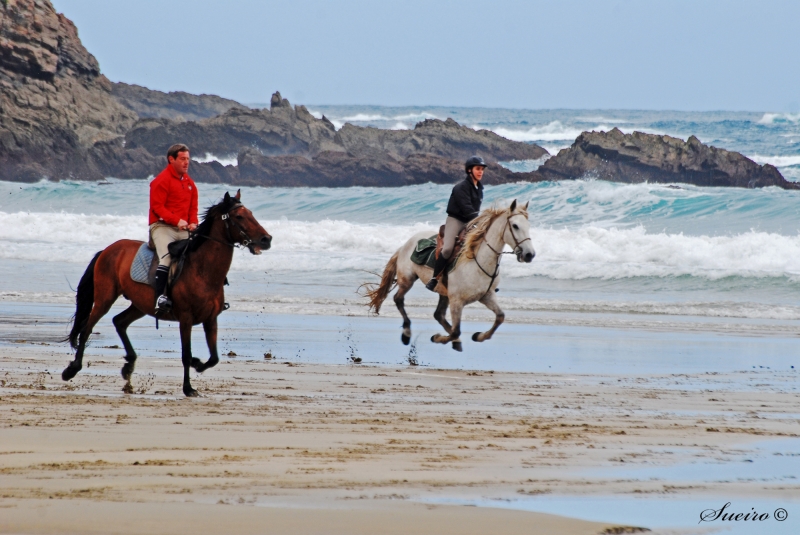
{"x": 173, "y": 213}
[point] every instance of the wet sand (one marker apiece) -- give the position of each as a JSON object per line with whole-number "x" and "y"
{"x": 286, "y": 445}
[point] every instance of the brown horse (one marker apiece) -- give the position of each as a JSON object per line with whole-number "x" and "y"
{"x": 198, "y": 295}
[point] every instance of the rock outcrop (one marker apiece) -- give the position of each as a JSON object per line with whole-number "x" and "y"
{"x": 340, "y": 169}
{"x": 54, "y": 103}
{"x": 447, "y": 139}
{"x": 176, "y": 105}
{"x": 281, "y": 129}
{"x": 287, "y": 146}
{"x": 639, "y": 157}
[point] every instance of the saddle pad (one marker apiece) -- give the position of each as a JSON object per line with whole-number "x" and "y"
{"x": 424, "y": 252}
{"x": 140, "y": 267}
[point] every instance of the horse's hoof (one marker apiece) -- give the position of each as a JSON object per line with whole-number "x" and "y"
{"x": 197, "y": 364}
{"x": 475, "y": 337}
{"x": 127, "y": 371}
{"x": 70, "y": 372}
{"x": 128, "y": 388}
{"x": 190, "y": 392}
{"x": 405, "y": 339}
{"x": 457, "y": 346}
{"x": 433, "y": 338}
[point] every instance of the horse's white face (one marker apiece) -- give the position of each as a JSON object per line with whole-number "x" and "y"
{"x": 517, "y": 235}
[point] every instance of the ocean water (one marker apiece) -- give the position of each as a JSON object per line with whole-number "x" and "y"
{"x": 606, "y": 252}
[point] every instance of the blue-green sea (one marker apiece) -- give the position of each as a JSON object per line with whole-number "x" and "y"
{"x": 605, "y": 251}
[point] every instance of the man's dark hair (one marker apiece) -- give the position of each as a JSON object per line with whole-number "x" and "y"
{"x": 175, "y": 149}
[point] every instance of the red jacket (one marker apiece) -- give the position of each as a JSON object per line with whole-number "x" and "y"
{"x": 173, "y": 198}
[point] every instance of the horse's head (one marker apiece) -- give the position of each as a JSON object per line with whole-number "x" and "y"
{"x": 517, "y": 232}
{"x": 242, "y": 226}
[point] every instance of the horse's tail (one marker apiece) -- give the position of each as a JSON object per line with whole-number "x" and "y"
{"x": 84, "y": 301}
{"x": 377, "y": 293}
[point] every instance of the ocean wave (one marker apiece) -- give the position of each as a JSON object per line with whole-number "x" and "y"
{"x": 224, "y": 160}
{"x": 553, "y": 131}
{"x": 777, "y": 161}
{"x": 392, "y": 122}
{"x": 778, "y": 118}
{"x": 524, "y": 166}
{"x": 363, "y": 117}
{"x": 586, "y": 252}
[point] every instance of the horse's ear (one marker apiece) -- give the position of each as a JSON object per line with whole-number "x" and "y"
{"x": 238, "y": 196}
{"x": 513, "y": 206}
{"x": 227, "y": 197}
{"x": 525, "y": 208}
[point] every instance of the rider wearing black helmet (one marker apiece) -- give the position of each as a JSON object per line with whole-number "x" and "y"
{"x": 463, "y": 207}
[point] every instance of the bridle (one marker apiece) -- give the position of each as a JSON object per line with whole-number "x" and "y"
{"x": 517, "y": 250}
{"x": 226, "y": 218}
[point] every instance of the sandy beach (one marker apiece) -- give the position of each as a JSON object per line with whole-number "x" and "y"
{"x": 284, "y": 445}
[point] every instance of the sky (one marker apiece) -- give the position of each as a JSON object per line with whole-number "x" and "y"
{"x": 581, "y": 54}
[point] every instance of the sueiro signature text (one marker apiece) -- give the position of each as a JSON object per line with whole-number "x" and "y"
{"x": 727, "y": 514}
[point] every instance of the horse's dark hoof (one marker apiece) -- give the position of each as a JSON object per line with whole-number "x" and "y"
{"x": 128, "y": 388}
{"x": 457, "y": 346}
{"x": 70, "y": 372}
{"x": 190, "y": 392}
{"x": 475, "y": 337}
{"x": 197, "y": 364}
{"x": 127, "y": 371}
{"x": 405, "y": 339}
{"x": 433, "y": 338}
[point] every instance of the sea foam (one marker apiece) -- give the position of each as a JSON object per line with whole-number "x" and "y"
{"x": 578, "y": 253}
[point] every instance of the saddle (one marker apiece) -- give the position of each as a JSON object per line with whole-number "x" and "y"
{"x": 145, "y": 263}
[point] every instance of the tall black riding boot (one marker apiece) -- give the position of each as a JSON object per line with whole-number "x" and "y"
{"x": 163, "y": 304}
{"x": 438, "y": 268}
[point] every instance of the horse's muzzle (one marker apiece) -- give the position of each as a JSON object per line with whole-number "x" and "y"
{"x": 527, "y": 257}
{"x": 261, "y": 245}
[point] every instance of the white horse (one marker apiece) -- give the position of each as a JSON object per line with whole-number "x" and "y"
{"x": 475, "y": 277}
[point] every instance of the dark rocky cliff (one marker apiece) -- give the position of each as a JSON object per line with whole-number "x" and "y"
{"x": 54, "y": 103}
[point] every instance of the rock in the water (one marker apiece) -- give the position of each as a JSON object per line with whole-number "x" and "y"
{"x": 639, "y": 157}
{"x": 447, "y": 139}
{"x": 340, "y": 169}
{"x": 54, "y": 103}
{"x": 176, "y": 105}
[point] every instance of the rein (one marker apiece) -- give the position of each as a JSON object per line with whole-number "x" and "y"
{"x": 499, "y": 254}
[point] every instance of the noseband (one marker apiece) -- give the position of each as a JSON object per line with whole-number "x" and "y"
{"x": 226, "y": 217}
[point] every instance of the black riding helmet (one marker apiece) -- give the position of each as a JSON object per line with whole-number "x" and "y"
{"x": 474, "y": 161}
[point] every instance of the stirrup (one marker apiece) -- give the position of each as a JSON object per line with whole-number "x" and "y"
{"x": 432, "y": 284}
{"x": 163, "y": 304}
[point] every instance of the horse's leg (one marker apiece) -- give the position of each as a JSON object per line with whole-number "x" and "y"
{"x": 99, "y": 309}
{"x": 404, "y": 284}
{"x": 440, "y": 314}
{"x": 122, "y": 321}
{"x": 186, "y": 356}
{"x": 210, "y": 328}
{"x": 455, "y": 331}
{"x": 499, "y": 316}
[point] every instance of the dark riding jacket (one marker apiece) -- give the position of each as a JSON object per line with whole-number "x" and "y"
{"x": 465, "y": 201}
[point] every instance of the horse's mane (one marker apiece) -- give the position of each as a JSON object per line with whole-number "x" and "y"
{"x": 204, "y": 228}
{"x": 478, "y": 228}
